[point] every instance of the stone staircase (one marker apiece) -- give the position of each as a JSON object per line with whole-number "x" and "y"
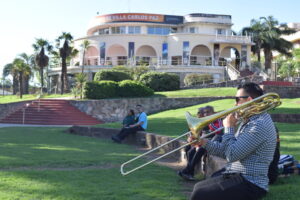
{"x": 49, "y": 112}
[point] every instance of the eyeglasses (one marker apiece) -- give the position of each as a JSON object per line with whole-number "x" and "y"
{"x": 237, "y": 99}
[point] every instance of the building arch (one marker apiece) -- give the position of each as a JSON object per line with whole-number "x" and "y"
{"x": 201, "y": 55}
{"x": 91, "y": 56}
{"x": 146, "y": 54}
{"x": 230, "y": 54}
{"x": 116, "y": 55}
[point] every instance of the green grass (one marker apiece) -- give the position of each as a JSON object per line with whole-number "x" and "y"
{"x": 288, "y": 106}
{"x": 45, "y": 163}
{"x": 205, "y": 92}
{"x": 27, "y": 97}
{"x": 178, "y": 93}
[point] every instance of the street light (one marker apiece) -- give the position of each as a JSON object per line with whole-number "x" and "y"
{"x": 26, "y": 106}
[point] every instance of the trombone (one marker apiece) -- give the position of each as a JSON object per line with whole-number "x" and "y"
{"x": 256, "y": 106}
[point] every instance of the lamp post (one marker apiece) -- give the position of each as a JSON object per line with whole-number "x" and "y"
{"x": 24, "y": 109}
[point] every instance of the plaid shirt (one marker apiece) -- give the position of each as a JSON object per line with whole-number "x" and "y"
{"x": 249, "y": 151}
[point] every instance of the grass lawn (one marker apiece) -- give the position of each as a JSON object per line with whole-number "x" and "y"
{"x": 178, "y": 93}
{"x": 45, "y": 163}
{"x": 205, "y": 92}
{"x": 27, "y": 97}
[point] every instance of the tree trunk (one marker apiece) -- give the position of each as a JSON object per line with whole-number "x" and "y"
{"x": 42, "y": 79}
{"x": 82, "y": 67}
{"x": 26, "y": 84}
{"x": 268, "y": 58}
{"x": 64, "y": 76}
{"x": 21, "y": 84}
{"x": 15, "y": 84}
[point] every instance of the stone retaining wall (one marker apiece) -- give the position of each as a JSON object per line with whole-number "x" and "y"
{"x": 111, "y": 110}
{"x": 7, "y": 109}
{"x": 286, "y": 118}
{"x": 283, "y": 91}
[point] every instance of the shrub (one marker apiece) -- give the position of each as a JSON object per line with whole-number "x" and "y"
{"x": 112, "y": 75}
{"x": 160, "y": 81}
{"x": 128, "y": 88}
{"x": 196, "y": 79}
{"x": 122, "y": 68}
{"x": 101, "y": 89}
{"x": 138, "y": 71}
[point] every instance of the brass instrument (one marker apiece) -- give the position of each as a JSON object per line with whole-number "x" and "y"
{"x": 244, "y": 111}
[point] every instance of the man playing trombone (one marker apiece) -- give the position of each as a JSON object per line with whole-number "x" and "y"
{"x": 248, "y": 151}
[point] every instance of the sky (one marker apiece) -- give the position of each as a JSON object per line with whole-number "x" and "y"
{"x": 22, "y": 21}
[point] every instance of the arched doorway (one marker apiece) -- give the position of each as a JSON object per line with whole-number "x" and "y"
{"x": 91, "y": 56}
{"x": 146, "y": 55}
{"x": 230, "y": 55}
{"x": 116, "y": 55}
{"x": 201, "y": 55}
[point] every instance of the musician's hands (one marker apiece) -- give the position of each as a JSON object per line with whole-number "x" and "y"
{"x": 199, "y": 143}
{"x": 230, "y": 121}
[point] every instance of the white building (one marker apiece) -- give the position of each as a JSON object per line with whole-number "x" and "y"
{"x": 194, "y": 43}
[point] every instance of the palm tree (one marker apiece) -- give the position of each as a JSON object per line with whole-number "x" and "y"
{"x": 64, "y": 52}
{"x": 28, "y": 60}
{"x": 21, "y": 68}
{"x": 41, "y": 59}
{"x": 80, "y": 82}
{"x": 255, "y": 30}
{"x": 85, "y": 45}
{"x": 8, "y": 70}
{"x": 272, "y": 40}
{"x": 266, "y": 33}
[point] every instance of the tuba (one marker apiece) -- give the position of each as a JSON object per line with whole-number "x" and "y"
{"x": 244, "y": 111}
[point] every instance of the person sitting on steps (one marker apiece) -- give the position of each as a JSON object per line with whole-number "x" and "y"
{"x": 140, "y": 125}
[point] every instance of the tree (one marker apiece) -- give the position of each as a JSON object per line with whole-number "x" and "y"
{"x": 255, "y": 31}
{"x": 28, "y": 60}
{"x": 266, "y": 33}
{"x": 63, "y": 44}
{"x": 80, "y": 82}
{"x": 21, "y": 68}
{"x": 8, "y": 70}
{"x": 85, "y": 45}
{"x": 41, "y": 59}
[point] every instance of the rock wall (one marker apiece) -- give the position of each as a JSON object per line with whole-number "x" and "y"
{"x": 110, "y": 110}
{"x": 7, "y": 109}
{"x": 283, "y": 91}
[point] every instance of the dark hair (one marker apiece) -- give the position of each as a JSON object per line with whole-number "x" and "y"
{"x": 210, "y": 108}
{"x": 132, "y": 112}
{"x": 138, "y": 105}
{"x": 252, "y": 89}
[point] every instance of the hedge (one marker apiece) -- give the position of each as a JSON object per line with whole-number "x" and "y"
{"x": 130, "y": 88}
{"x": 111, "y": 89}
{"x": 101, "y": 89}
{"x": 197, "y": 79}
{"x": 111, "y": 75}
{"x": 161, "y": 81}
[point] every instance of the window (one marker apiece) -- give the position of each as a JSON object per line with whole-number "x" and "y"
{"x": 173, "y": 30}
{"x": 156, "y": 30}
{"x": 221, "y": 31}
{"x": 134, "y": 30}
{"x": 192, "y": 30}
{"x": 103, "y": 31}
{"x": 118, "y": 30}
